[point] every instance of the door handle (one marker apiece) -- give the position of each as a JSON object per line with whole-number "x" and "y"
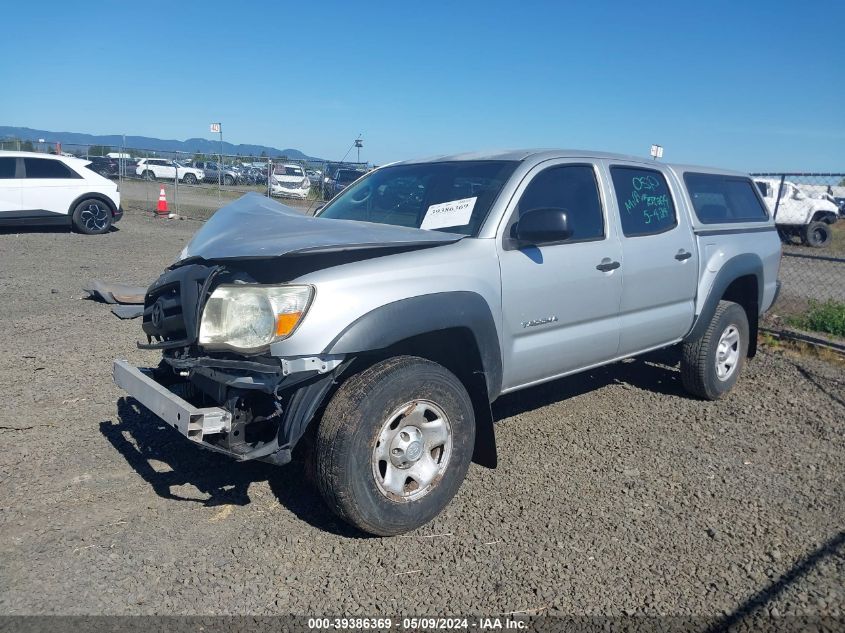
{"x": 606, "y": 265}
{"x": 682, "y": 255}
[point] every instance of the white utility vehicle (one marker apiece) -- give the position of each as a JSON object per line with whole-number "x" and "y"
{"x": 165, "y": 169}
{"x": 44, "y": 189}
{"x": 289, "y": 180}
{"x": 798, "y": 214}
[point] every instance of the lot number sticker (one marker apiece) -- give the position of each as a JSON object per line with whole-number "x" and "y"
{"x": 455, "y": 213}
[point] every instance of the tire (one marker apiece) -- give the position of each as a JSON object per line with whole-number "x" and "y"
{"x": 228, "y": 180}
{"x": 704, "y": 357}
{"x": 189, "y": 179}
{"x": 92, "y": 217}
{"x": 817, "y": 234}
{"x": 149, "y": 175}
{"x": 394, "y": 445}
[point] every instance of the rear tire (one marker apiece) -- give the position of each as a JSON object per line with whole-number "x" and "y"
{"x": 711, "y": 363}
{"x": 92, "y": 217}
{"x": 817, "y": 234}
{"x": 394, "y": 445}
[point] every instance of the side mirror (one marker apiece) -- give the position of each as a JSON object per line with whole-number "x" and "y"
{"x": 539, "y": 226}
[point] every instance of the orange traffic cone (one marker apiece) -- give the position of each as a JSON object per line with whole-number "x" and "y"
{"x": 162, "y": 203}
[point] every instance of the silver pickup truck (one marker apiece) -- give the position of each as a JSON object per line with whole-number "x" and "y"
{"x": 374, "y": 336}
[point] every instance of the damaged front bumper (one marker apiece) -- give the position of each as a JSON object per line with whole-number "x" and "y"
{"x": 192, "y": 422}
{"x": 260, "y": 418}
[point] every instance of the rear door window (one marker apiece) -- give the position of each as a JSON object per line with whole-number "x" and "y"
{"x": 645, "y": 203}
{"x": 7, "y": 167}
{"x": 47, "y": 168}
{"x": 719, "y": 199}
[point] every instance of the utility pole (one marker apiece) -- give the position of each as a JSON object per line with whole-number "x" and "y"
{"x": 359, "y": 143}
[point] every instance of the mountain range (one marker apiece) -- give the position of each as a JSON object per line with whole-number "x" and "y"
{"x": 115, "y": 141}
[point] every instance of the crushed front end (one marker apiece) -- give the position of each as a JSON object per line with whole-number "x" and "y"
{"x": 247, "y": 405}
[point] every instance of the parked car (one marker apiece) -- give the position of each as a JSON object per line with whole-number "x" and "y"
{"x": 42, "y": 189}
{"x": 230, "y": 175}
{"x": 165, "y": 169}
{"x": 289, "y": 180}
{"x": 340, "y": 180}
{"x": 799, "y": 215}
{"x": 106, "y": 167}
{"x": 383, "y": 328}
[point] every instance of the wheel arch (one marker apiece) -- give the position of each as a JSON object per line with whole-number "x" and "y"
{"x": 93, "y": 196}
{"x": 454, "y": 329}
{"x": 828, "y": 217}
{"x": 740, "y": 279}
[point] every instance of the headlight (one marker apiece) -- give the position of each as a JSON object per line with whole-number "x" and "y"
{"x": 250, "y": 317}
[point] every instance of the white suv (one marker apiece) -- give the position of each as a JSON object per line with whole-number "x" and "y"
{"x": 289, "y": 180}
{"x": 165, "y": 169}
{"x": 42, "y": 189}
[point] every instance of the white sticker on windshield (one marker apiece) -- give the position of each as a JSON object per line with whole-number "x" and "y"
{"x": 455, "y": 213}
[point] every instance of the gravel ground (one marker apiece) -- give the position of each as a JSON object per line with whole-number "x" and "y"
{"x": 616, "y": 493}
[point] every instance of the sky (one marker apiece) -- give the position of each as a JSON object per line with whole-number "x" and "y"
{"x": 750, "y": 85}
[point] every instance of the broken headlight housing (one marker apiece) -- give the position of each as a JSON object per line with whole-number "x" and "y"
{"x": 249, "y": 317}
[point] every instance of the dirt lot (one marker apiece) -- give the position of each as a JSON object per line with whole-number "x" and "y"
{"x": 616, "y": 493}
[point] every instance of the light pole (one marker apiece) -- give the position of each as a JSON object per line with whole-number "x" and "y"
{"x": 359, "y": 143}
{"x": 218, "y": 128}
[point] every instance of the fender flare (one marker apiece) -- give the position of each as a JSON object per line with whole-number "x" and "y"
{"x": 424, "y": 314}
{"x": 731, "y": 270}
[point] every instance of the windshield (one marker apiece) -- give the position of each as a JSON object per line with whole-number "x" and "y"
{"x": 446, "y": 196}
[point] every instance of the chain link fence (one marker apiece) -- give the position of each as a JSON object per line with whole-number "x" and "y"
{"x": 194, "y": 175}
{"x": 809, "y": 209}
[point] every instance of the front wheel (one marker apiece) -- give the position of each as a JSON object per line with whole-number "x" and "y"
{"x": 817, "y": 234}
{"x": 92, "y": 217}
{"x": 712, "y": 362}
{"x": 394, "y": 445}
{"x": 149, "y": 175}
{"x": 228, "y": 180}
{"x": 189, "y": 179}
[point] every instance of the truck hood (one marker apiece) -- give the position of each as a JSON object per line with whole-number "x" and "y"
{"x": 255, "y": 227}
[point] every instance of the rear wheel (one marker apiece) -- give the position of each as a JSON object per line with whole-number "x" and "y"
{"x": 711, "y": 363}
{"x": 817, "y": 234}
{"x": 92, "y": 217}
{"x": 394, "y": 445}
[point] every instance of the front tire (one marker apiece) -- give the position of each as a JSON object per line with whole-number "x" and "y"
{"x": 189, "y": 179}
{"x": 92, "y": 217}
{"x": 394, "y": 445}
{"x": 817, "y": 234}
{"x": 149, "y": 175}
{"x": 711, "y": 363}
{"x": 228, "y": 180}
